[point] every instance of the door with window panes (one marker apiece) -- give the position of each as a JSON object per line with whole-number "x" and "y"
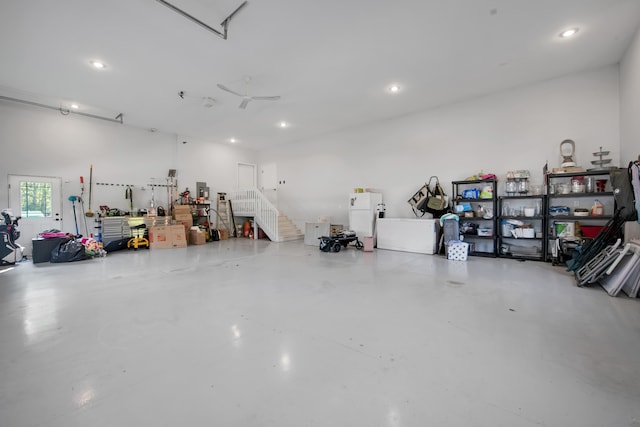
{"x": 38, "y": 201}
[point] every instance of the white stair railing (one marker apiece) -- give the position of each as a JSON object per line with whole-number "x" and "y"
{"x": 251, "y": 202}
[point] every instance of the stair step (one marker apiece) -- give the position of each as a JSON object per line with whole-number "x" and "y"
{"x": 292, "y": 237}
{"x": 288, "y": 225}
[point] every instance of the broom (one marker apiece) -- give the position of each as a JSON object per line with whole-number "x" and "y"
{"x": 89, "y": 212}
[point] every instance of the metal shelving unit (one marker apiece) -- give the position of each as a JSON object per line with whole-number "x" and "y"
{"x": 527, "y": 248}
{"x": 573, "y": 200}
{"x": 480, "y": 245}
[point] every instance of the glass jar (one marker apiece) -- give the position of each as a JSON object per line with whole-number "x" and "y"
{"x": 511, "y": 187}
{"x": 523, "y": 186}
{"x": 577, "y": 184}
{"x": 588, "y": 184}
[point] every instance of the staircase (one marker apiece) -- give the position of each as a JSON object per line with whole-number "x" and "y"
{"x": 252, "y": 203}
{"x": 287, "y": 230}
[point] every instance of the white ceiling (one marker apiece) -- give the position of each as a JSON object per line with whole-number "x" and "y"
{"x": 331, "y": 61}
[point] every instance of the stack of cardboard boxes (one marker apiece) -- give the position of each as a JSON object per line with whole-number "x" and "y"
{"x": 172, "y": 236}
{"x": 175, "y": 236}
{"x": 182, "y": 215}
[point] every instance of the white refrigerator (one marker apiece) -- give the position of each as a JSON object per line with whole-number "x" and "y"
{"x": 362, "y": 213}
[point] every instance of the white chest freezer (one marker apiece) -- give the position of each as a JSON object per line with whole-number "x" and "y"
{"x": 409, "y": 234}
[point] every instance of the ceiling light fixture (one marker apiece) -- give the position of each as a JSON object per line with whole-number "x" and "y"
{"x": 394, "y": 88}
{"x": 98, "y": 64}
{"x": 208, "y": 102}
{"x": 233, "y": 140}
{"x": 75, "y": 106}
{"x": 568, "y": 33}
{"x": 283, "y": 124}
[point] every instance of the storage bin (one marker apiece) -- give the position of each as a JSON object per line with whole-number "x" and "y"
{"x": 590, "y": 231}
{"x": 458, "y": 251}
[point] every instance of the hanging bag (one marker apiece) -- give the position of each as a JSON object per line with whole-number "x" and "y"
{"x": 437, "y": 197}
{"x": 419, "y": 200}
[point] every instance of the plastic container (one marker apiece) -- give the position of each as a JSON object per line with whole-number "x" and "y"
{"x": 597, "y": 209}
{"x": 590, "y": 231}
{"x": 528, "y": 233}
{"x": 485, "y": 232}
{"x": 506, "y": 228}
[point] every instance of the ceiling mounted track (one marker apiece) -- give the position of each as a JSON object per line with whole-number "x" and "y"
{"x": 64, "y": 111}
{"x": 225, "y": 23}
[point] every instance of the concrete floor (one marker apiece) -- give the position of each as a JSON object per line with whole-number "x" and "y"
{"x": 252, "y": 333}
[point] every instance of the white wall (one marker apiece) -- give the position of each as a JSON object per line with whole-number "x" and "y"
{"x": 45, "y": 143}
{"x": 630, "y": 103}
{"x": 215, "y": 164}
{"x": 517, "y": 129}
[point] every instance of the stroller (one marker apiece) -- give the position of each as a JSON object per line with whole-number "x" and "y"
{"x": 10, "y": 251}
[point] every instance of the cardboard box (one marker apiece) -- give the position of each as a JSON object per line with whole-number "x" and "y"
{"x": 224, "y": 233}
{"x": 158, "y": 221}
{"x": 183, "y": 217}
{"x": 160, "y": 237}
{"x": 167, "y": 236}
{"x": 187, "y": 224}
{"x": 564, "y": 229}
{"x": 197, "y": 237}
{"x": 178, "y": 236}
{"x": 181, "y": 209}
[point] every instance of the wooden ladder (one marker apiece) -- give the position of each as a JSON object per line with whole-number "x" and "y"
{"x": 224, "y": 218}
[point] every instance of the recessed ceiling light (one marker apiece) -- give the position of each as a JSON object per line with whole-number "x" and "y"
{"x": 208, "y": 102}
{"x": 283, "y": 124}
{"x": 569, "y": 33}
{"x": 394, "y": 88}
{"x": 233, "y": 140}
{"x": 98, "y": 64}
{"x": 75, "y": 106}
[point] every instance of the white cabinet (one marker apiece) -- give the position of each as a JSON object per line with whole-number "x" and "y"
{"x": 314, "y": 230}
{"x": 362, "y": 213}
{"x": 408, "y": 234}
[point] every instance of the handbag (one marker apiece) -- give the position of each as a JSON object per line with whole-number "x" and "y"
{"x": 419, "y": 200}
{"x": 437, "y": 200}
